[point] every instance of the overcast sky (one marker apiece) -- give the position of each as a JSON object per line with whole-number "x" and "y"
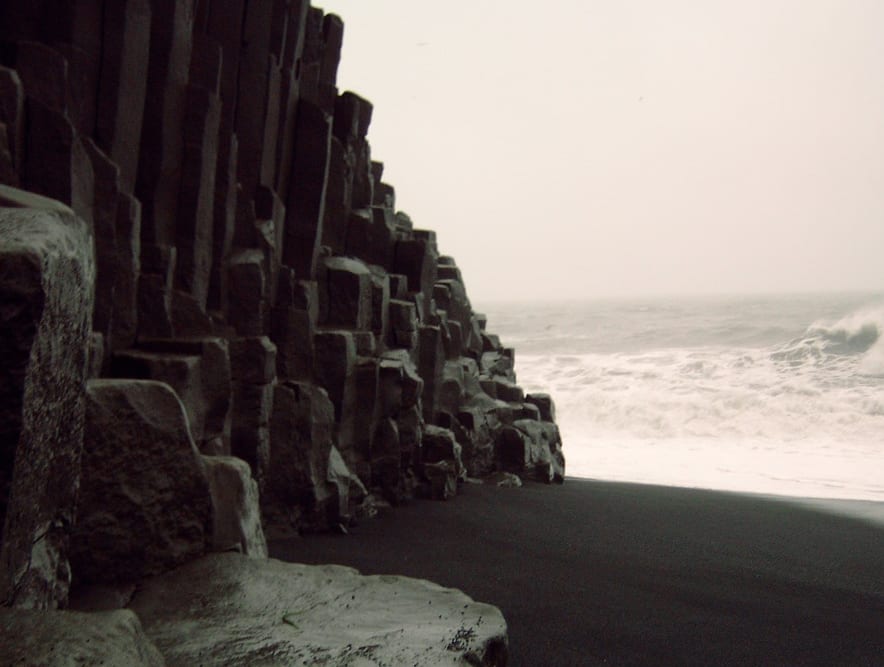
{"x": 584, "y": 148}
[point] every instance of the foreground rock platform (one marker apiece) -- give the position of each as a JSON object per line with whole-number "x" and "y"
{"x": 226, "y": 609}
{"x": 63, "y": 638}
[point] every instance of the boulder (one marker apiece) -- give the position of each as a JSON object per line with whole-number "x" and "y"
{"x": 403, "y": 316}
{"x": 352, "y": 117}
{"x": 399, "y": 384}
{"x": 490, "y": 342}
{"x": 145, "y": 504}
{"x": 370, "y": 235}
{"x": 503, "y": 480}
{"x": 348, "y": 293}
{"x": 301, "y": 439}
{"x": 454, "y": 341}
{"x": 509, "y": 392}
{"x": 292, "y": 330}
{"x": 253, "y": 360}
{"x": 64, "y": 638}
{"x": 47, "y": 270}
{"x": 411, "y": 428}
{"x": 384, "y": 195}
{"x": 236, "y": 510}
{"x": 348, "y": 487}
{"x": 249, "y": 424}
{"x": 533, "y": 449}
{"x": 439, "y": 444}
{"x": 253, "y": 612}
{"x": 497, "y": 365}
{"x": 398, "y": 286}
{"x": 386, "y": 459}
{"x": 416, "y": 259}
{"x": 472, "y": 385}
{"x": 451, "y": 387}
{"x": 300, "y": 294}
{"x": 198, "y": 369}
{"x": 366, "y": 343}
{"x": 335, "y": 363}
{"x": 526, "y": 411}
{"x": 440, "y": 480}
{"x": 481, "y": 426}
{"x": 356, "y": 446}
{"x": 545, "y": 405}
{"x": 189, "y": 318}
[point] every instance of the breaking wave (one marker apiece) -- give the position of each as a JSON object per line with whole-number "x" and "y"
{"x": 804, "y": 416}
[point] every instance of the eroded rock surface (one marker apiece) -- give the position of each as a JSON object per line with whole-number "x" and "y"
{"x": 236, "y": 508}
{"x": 46, "y": 296}
{"x": 68, "y": 638}
{"x": 145, "y": 504}
{"x": 252, "y": 612}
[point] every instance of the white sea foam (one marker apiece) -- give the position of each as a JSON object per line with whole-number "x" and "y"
{"x": 741, "y": 396}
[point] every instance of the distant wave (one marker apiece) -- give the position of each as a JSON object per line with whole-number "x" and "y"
{"x": 853, "y": 334}
{"x": 856, "y": 334}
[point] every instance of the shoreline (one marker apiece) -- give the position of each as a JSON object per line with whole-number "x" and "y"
{"x": 857, "y": 508}
{"x": 595, "y": 572}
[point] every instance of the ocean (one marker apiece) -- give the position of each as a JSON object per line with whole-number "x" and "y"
{"x": 769, "y": 394}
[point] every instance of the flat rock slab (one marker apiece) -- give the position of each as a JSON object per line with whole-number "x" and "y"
{"x": 69, "y": 638}
{"x": 226, "y": 609}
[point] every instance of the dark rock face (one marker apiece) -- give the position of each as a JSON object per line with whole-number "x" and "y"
{"x": 46, "y": 298}
{"x": 255, "y": 286}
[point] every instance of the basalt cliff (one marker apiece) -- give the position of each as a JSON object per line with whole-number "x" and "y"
{"x": 215, "y": 323}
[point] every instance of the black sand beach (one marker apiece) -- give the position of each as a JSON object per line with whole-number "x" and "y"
{"x": 624, "y": 574}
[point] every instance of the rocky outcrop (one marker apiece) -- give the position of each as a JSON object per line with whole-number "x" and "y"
{"x": 269, "y": 612}
{"x": 247, "y": 241}
{"x": 190, "y": 219}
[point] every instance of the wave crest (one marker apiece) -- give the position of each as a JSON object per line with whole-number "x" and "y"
{"x": 854, "y": 335}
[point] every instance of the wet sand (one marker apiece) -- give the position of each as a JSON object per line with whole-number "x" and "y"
{"x": 612, "y": 573}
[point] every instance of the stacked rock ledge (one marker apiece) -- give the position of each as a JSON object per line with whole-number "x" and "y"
{"x": 215, "y": 322}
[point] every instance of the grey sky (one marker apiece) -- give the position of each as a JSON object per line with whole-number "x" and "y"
{"x": 631, "y": 147}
